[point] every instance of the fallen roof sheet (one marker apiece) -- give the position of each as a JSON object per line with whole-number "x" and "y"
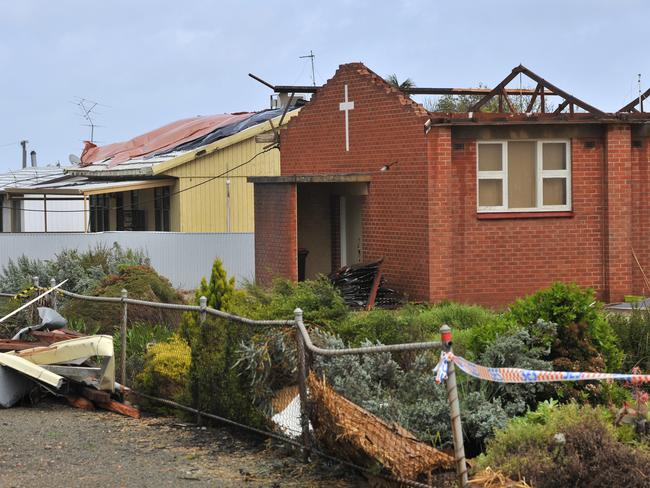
{"x": 30, "y": 369}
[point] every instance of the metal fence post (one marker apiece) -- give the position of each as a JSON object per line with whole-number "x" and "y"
{"x": 302, "y": 386}
{"x": 454, "y": 410}
{"x": 53, "y": 303}
{"x": 34, "y": 308}
{"x": 196, "y": 393}
{"x": 125, "y": 318}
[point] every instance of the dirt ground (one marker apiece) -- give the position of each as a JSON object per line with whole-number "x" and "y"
{"x": 54, "y": 445}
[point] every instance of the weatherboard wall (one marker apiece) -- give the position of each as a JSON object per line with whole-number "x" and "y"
{"x": 199, "y": 203}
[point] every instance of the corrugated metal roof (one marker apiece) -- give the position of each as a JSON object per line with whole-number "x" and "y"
{"x": 79, "y": 185}
{"x": 138, "y": 156}
{"x": 26, "y": 177}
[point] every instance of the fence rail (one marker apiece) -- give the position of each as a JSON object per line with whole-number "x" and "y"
{"x": 304, "y": 343}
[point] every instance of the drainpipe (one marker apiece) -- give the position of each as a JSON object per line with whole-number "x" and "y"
{"x": 24, "y": 144}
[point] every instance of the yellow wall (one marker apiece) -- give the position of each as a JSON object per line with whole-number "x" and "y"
{"x": 203, "y": 208}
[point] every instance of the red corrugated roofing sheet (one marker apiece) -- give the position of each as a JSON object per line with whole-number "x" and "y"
{"x": 164, "y": 138}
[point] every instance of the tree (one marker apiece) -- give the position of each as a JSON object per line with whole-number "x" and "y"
{"x": 406, "y": 86}
{"x": 220, "y": 289}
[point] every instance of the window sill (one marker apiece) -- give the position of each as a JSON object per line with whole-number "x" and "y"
{"x": 524, "y": 215}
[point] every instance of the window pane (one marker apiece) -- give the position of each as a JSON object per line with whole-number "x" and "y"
{"x": 489, "y": 157}
{"x": 554, "y": 155}
{"x": 554, "y": 191}
{"x": 490, "y": 193}
{"x": 521, "y": 174}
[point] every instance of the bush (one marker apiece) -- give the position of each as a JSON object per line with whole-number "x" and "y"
{"x": 83, "y": 270}
{"x": 583, "y": 331}
{"x": 216, "y": 384}
{"x": 139, "y": 336}
{"x": 141, "y": 282}
{"x": 633, "y": 332}
{"x": 165, "y": 370}
{"x": 567, "y": 445}
{"x": 319, "y": 300}
{"x": 411, "y": 397}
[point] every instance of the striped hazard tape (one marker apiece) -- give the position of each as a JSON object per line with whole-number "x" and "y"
{"x": 518, "y": 375}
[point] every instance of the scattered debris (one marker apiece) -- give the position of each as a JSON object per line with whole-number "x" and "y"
{"x": 365, "y": 439}
{"x": 62, "y": 362}
{"x": 364, "y": 286}
{"x": 488, "y": 478}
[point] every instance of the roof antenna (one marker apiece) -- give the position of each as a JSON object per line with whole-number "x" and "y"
{"x": 311, "y": 55}
{"x": 640, "y": 96}
{"x": 87, "y": 109}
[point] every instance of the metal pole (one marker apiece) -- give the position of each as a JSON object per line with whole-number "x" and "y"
{"x": 454, "y": 410}
{"x": 302, "y": 386}
{"x": 34, "y": 309}
{"x": 53, "y": 303}
{"x": 196, "y": 392}
{"x": 125, "y": 319}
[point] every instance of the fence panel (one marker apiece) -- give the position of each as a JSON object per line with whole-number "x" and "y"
{"x": 182, "y": 257}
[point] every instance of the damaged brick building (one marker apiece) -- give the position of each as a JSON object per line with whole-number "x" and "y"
{"x": 472, "y": 206}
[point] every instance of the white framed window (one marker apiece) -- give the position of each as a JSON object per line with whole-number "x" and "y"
{"x": 523, "y": 176}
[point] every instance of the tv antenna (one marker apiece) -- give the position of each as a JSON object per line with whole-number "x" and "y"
{"x": 640, "y": 95}
{"x": 89, "y": 114}
{"x": 311, "y": 56}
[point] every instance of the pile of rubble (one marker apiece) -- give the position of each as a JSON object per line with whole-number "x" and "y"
{"x": 48, "y": 357}
{"x": 364, "y": 286}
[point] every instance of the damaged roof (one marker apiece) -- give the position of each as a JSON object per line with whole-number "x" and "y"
{"x": 140, "y": 154}
{"x": 569, "y": 109}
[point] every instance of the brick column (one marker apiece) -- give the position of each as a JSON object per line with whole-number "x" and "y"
{"x": 440, "y": 232}
{"x": 276, "y": 232}
{"x": 619, "y": 212}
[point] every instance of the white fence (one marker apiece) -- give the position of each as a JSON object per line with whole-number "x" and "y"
{"x": 184, "y": 258}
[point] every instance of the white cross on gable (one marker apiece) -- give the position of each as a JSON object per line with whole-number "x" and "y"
{"x": 346, "y": 106}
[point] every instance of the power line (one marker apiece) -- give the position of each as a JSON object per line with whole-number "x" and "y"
{"x": 117, "y": 207}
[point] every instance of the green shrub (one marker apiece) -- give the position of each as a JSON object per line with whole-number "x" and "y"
{"x": 139, "y": 336}
{"x": 165, "y": 370}
{"x": 410, "y": 397}
{"x": 633, "y": 333}
{"x": 141, "y": 282}
{"x": 319, "y": 300}
{"x": 567, "y": 445}
{"x": 583, "y": 330}
{"x": 83, "y": 270}
{"x": 216, "y": 384}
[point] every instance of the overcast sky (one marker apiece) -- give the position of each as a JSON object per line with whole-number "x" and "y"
{"x": 152, "y": 62}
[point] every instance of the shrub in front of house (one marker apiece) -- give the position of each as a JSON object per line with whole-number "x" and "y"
{"x": 566, "y": 445}
{"x": 633, "y": 332}
{"x": 585, "y": 340}
{"x": 84, "y": 270}
{"x": 142, "y": 283}
{"x": 165, "y": 371}
{"x": 215, "y": 383}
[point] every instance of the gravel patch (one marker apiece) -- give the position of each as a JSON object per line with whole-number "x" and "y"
{"x": 54, "y": 445}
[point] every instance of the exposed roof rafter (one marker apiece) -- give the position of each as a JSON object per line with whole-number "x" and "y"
{"x": 543, "y": 88}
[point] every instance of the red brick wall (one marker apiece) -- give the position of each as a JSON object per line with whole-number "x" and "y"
{"x": 275, "y": 232}
{"x": 641, "y": 213}
{"x": 441, "y": 218}
{"x": 619, "y": 211}
{"x": 496, "y": 261}
{"x": 384, "y": 127}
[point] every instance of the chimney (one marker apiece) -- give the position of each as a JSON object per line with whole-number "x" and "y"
{"x": 24, "y": 144}
{"x": 32, "y": 155}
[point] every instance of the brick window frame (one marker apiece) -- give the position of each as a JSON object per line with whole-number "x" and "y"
{"x": 540, "y": 175}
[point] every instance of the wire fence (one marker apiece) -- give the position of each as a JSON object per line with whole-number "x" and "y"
{"x": 300, "y": 381}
